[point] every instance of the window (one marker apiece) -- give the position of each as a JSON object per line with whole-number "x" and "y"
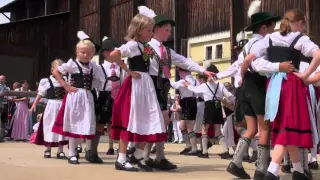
{"x": 219, "y": 51}
{"x": 208, "y": 52}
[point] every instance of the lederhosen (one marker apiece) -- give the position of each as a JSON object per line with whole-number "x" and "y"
{"x": 189, "y": 107}
{"x": 238, "y": 113}
{"x": 81, "y": 80}
{"x": 55, "y": 92}
{"x": 213, "y": 109}
{"x": 104, "y": 102}
{"x": 162, "y": 85}
{"x": 253, "y": 92}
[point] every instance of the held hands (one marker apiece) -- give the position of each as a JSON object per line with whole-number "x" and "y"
{"x": 286, "y": 67}
{"x": 134, "y": 74}
{"x": 186, "y": 84}
{"x": 211, "y": 75}
{"x": 302, "y": 76}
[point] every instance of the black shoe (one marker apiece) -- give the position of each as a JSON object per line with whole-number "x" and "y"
{"x": 153, "y": 150}
{"x": 270, "y": 176}
{"x": 206, "y": 155}
{"x": 254, "y": 157}
{"x": 308, "y": 173}
{"x": 2, "y": 140}
{"x": 110, "y": 151}
{"x": 93, "y": 158}
{"x": 286, "y": 169}
{"x": 238, "y": 172}
{"x": 185, "y": 150}
{"x": 73, "y": 161}
{"x": 61, "y": 155}
{"x": 314, "y": 165}
{"x": 300, "y": 176}
{"x": 226, "y": 155}
{"x": 145, "y": 167}
{"x": 192, "y": 153}
{"x": 122, "y": 167}
{"x": 131, "y": 150}
{"x": 47, "y": 154}
{"x": 164, "y": 165}
{"x": 209, "y": 145}
{"x": 258, "y": 175}
{"x": 175, "y": 142}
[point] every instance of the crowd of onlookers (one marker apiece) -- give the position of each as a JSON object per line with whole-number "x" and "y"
{"x": 16, "y": 119}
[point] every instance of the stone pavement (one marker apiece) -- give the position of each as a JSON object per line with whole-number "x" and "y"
{"x": 24, "y": 161}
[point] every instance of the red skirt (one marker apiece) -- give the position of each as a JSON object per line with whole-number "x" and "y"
{"x": 292, "y": 126}
{"x": 58, "y": 124}
{"x": 121, "y": 114}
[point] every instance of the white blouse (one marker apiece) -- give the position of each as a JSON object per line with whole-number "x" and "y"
{"x": 184, "y": 91}
{"x": 44, "y": 85}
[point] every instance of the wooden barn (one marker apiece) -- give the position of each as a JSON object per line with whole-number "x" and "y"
{"x": 41, "y": 30}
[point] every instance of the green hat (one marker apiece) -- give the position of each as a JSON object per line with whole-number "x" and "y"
{"x": 260, "y": 18}
{"x": 163, "y": 19}
{"x": 106, "y": 45}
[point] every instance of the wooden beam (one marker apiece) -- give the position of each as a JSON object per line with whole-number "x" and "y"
{"x": 74, "y": 10}
{"x": 136, "y": 4}
{"x": 104, "y": 15}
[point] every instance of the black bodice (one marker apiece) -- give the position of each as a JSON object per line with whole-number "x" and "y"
{"x": 137, "y": 63}
{"x": 81, "y": 80}
{"x": 281, "y": 54}
{"x": 55, "y": 92}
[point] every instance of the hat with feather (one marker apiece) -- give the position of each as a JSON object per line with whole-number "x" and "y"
{"x": 241, "y": 40}
{"x": 259, "y": 18}
{"x": 159, "y": 19}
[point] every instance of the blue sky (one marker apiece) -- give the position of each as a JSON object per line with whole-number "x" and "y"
{"x": 2, "y": 18}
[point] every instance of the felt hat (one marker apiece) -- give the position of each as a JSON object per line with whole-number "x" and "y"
{"x": 163, "y": 19}
{"x": 106, "y": 45}
{"x": 261, "y": 18}
{"x": 212, "y": 68}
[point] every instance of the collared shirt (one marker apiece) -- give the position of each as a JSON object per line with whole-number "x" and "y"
{"x": 107, "y": 67}
{"x": 177, "y": 60}
{"x": 185, "y": 92}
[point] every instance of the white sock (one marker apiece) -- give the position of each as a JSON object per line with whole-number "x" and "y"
{"x": 297, "y": 167}
{"x": 60, "y": 149}
{"x": 122, "y": 158}
{"x": 146, "y": 152}
{"x": 274, "y": 168}
{"x": 138, "y": 154}
{"x": 313, "y": 157}
{"x": 48, "y": 149}
{"x": 72, "y": 146}
{"x": 88, "y": 144}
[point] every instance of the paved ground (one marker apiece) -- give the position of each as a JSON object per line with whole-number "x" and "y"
{"x": 23, "y": 161}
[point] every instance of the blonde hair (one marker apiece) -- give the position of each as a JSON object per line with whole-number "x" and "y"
{"x": 55, "y": 63}
{"x": 86, "y": 42}
{"x": 292, "y": 15}
{"x": 39, "y": 116}
{"x": 137, "y": 24}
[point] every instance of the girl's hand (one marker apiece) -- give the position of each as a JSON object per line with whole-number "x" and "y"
{"x": 302, "y": 76}
{"x": 32, "y": 109}
{"x": 186, "y": 84}
{"x": 70, "y": 89}
{"x": 135, "y": 75}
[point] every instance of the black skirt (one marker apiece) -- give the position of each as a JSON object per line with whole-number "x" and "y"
{"x": 103, "y": 106}
{"x": 238, "y": 113}
{"x": 188, "y": 108}
{"x": 162, "y": 91}
{"x": 254, "y": 94}
{"x": 213, "y": 113}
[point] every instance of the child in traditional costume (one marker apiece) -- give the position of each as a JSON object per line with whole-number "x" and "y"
{"x": 76, "y": 118}
{"x": 286, "y": 99}
{"x": 175, "y": 118}
{"x": 52, "y": 90}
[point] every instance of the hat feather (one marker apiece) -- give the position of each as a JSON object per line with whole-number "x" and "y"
{"x": 254, "y": 7}
{"x": 241, "y": 36}
{"x": 104, "y": 38}
{"x": 81, "y": 35}
{"x": 146, "y": 11}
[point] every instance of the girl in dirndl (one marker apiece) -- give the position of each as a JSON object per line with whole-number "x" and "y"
{"x": 286, "y": 100}
{"x": 50, "y": 88}
{"x": 76, "y": 118}
{"x": 136, "y": 116}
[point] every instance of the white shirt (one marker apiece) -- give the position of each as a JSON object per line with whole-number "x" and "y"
{"x": 177, "y": 60}
{"x": 208, "y": 95}
{"x": 184, "y": 91}
{"x": 44, "y": 85}
{"x": 107, "y": 67}
{"x": 71, "y": 68}
{"x": 235, "y": 68}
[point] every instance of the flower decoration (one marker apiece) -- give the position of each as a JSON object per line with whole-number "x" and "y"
{"x": 147, "y": 52}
